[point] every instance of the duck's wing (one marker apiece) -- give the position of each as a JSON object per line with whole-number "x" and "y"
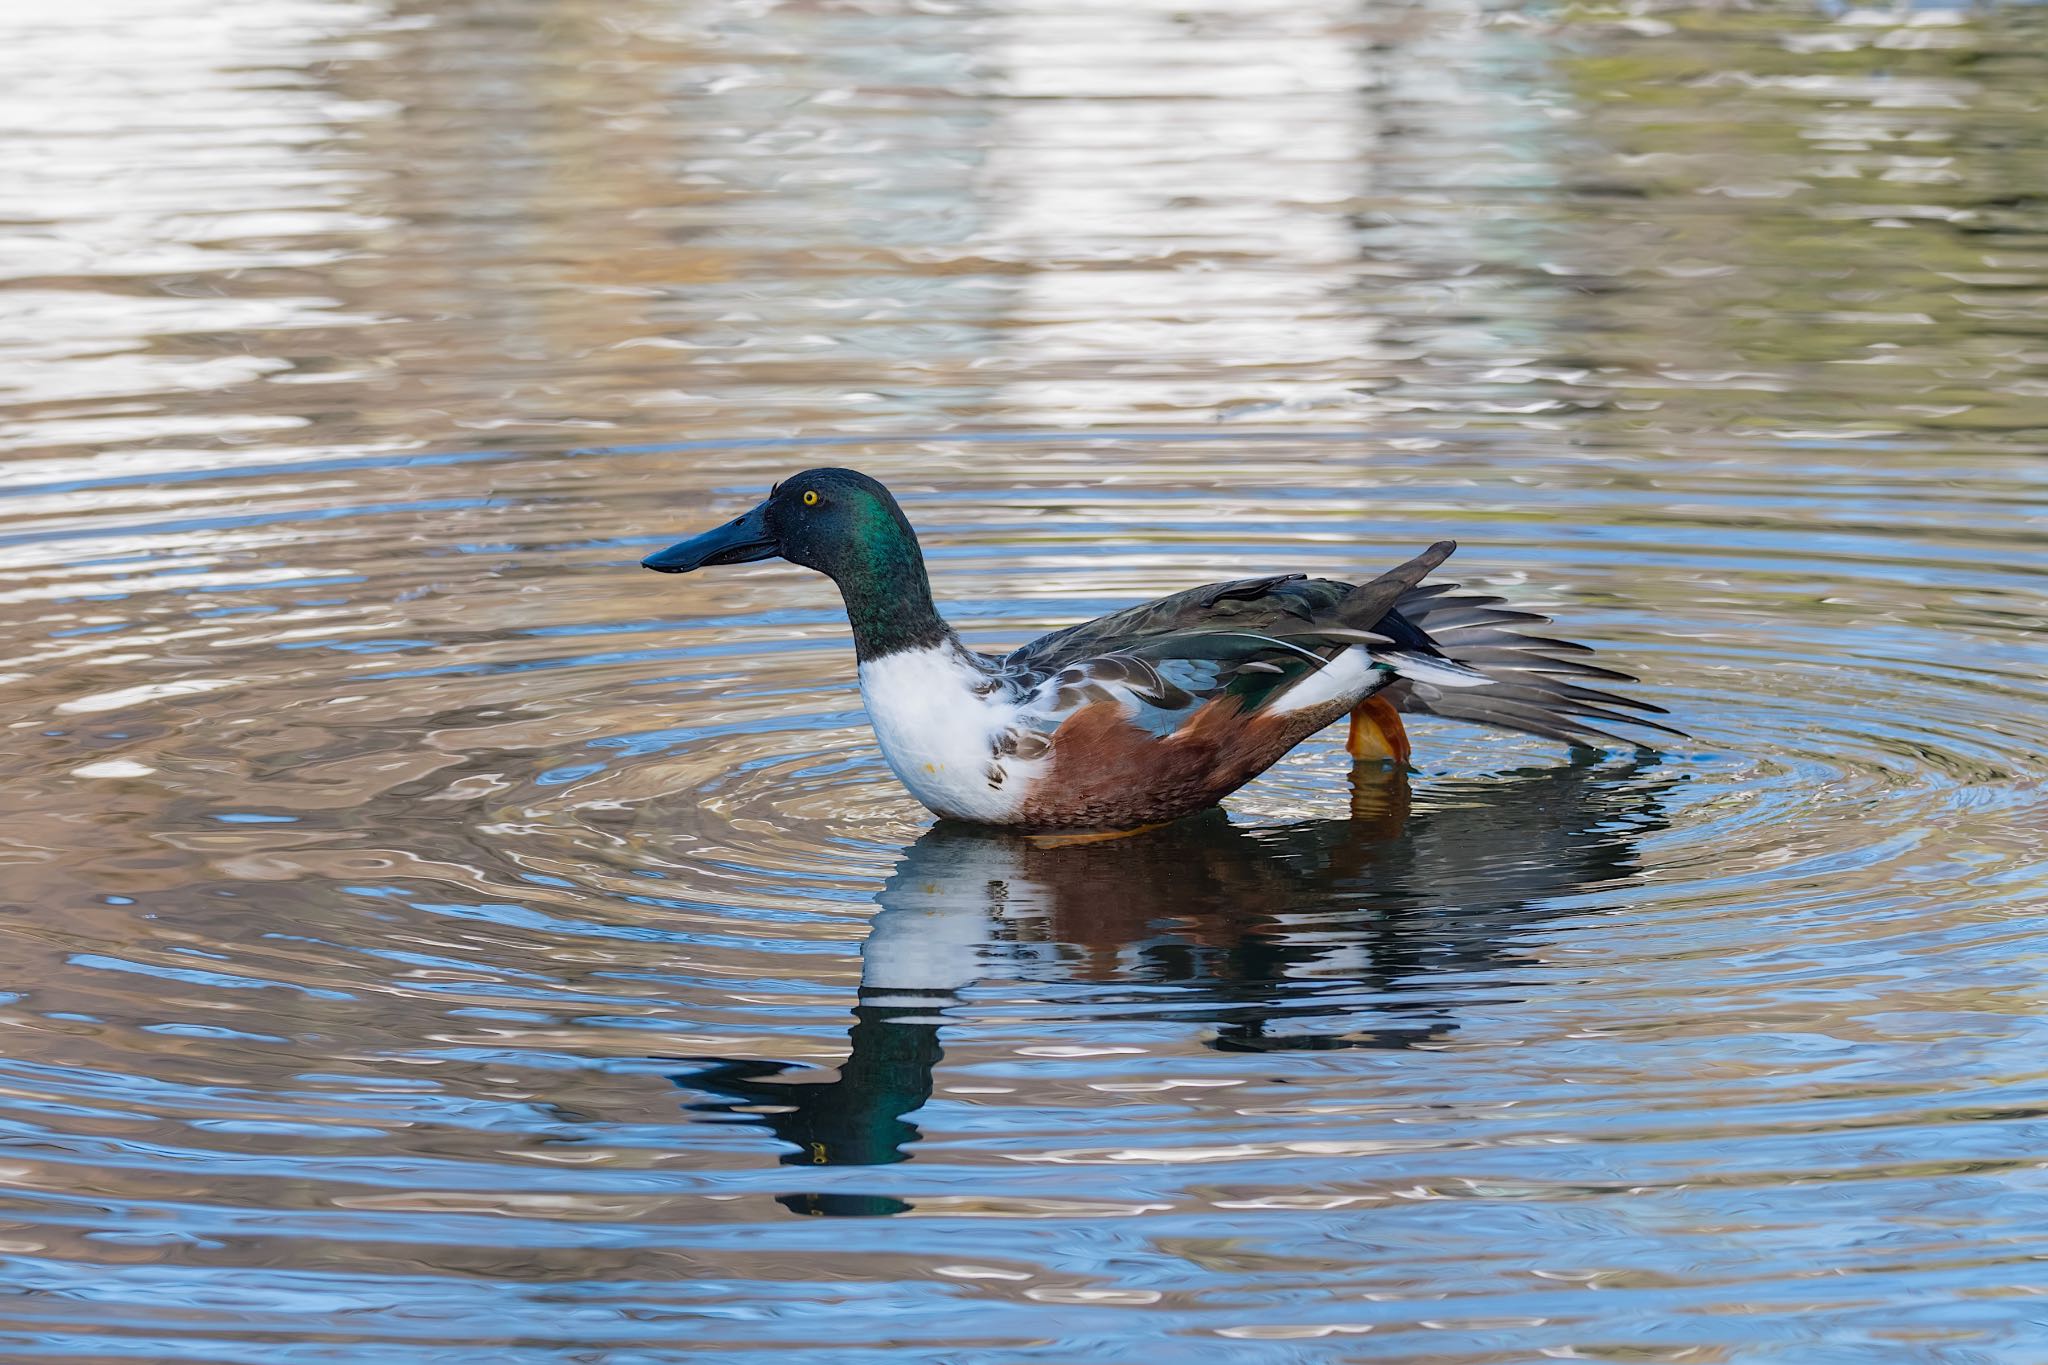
{"x": 1461, "y": 656}
{"x": 1248, "y": 640}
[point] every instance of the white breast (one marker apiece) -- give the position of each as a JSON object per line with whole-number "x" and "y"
{"x": 939, "y": 734}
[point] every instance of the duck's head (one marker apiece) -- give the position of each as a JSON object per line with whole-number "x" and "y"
{"x": 838, "y": 521}
{"x": 845, "y": 525}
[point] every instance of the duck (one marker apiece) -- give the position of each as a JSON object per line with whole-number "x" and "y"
{"x": 1162, "y": 709}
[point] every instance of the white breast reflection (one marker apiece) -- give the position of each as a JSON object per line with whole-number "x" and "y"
{"x": 1323, "y": 934}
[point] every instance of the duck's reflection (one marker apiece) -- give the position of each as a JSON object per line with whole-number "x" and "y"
{"x": 1322, "y": 934}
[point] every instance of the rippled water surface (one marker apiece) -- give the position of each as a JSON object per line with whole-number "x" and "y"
{"x": 428, "y": 937}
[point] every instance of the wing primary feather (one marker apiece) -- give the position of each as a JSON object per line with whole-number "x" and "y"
{"x": 1438, "y": 672}
{"x": 1208, "y": 644}
{"x": 1340, "y": 633}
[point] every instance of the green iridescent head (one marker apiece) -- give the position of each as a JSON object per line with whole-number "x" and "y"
{"x": 848, "y": 527}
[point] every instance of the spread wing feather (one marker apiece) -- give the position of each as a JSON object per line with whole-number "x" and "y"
{"x": 1249, "y": 639}
{"x": 1537, "y": 682}
{"x": 1254, "y": 638}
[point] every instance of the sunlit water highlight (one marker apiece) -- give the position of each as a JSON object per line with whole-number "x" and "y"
{"x": 430, "y": 938}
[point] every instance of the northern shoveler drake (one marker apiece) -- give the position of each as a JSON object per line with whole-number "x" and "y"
{"x": 1161, "y": 709}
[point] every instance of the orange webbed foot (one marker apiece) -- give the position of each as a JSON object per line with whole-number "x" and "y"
{"x": 1377, "y": 734}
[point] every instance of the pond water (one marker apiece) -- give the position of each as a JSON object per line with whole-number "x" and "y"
{"x": 428, "y": 937}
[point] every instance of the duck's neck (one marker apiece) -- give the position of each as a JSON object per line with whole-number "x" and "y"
{"x": 889, "y": 599}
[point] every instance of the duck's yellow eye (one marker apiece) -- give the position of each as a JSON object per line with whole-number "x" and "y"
{"x": 810, "y": 497}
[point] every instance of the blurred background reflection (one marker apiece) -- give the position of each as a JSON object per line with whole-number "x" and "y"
{"x": 428, "y": 937}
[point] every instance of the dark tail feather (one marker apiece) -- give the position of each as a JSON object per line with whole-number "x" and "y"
{"x": 1364, "y": 605}
{"x": 1538, "y": 683}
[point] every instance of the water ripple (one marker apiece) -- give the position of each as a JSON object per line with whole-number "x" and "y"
{"x": 429, "y": 936}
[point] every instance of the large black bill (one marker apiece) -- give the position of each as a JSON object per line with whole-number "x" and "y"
{"x": 739, "y": 541}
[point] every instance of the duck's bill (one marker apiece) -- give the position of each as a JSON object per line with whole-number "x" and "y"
{"x": 740, "y": 541}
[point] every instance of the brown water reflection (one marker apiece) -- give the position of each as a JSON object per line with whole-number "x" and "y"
{"x": 1316, "y": 935}
{"x": 377, "y": 840}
